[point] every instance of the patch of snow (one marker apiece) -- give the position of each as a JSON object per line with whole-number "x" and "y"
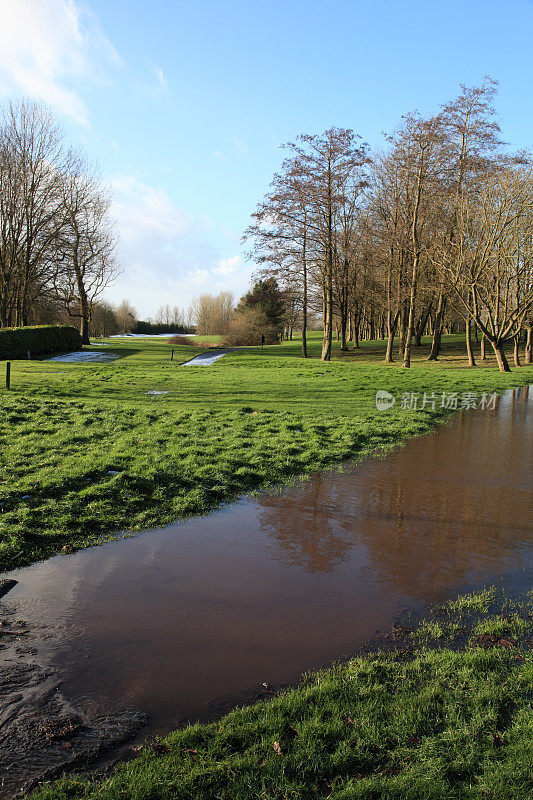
{"x": 80, "y": 356}
{"x": 149, "y": 335}
{"x": 156, "y": 391}
{"x": 205, "y": 359}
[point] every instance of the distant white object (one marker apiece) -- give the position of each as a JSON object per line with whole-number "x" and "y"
{"x": 156, "y": 391}
{"x": 148, "y": 335}
{"x": 81, "y": 356}
{"x": 206, "y": 359}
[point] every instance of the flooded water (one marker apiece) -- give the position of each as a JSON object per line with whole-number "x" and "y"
{"x": 174, "y": 621}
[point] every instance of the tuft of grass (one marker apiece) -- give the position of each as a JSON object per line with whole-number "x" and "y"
{"x": 477, "y": 601}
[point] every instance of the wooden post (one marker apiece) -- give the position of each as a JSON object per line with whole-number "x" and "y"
{"x": 172, "y": 355}
{"x": 8, "y": 375}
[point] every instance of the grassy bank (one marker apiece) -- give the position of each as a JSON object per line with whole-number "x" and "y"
{"x": 447, "y": 716}
{"x": 86, "y": 450}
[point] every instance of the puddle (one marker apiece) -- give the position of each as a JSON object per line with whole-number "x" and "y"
{"x": 178, "y": 621}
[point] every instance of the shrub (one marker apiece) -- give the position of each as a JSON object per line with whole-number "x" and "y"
{"x": 247, "y": 327}
{"x": 180, "y": 339}
{"x": 38, "y": 339}
{"x": 159, "y": 327}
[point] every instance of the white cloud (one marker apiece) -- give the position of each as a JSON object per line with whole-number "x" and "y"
{"x": 155, "y": 85}
{"x": 228, "y": 265}
{"x": 141, "y": 210}
{"x": 241, "y": 146}
{"x": 166, "y": 254}
{"x": 160, "y": 77}
{"x": 47, "y": 47}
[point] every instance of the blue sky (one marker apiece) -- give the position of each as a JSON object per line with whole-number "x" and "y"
{"x": 185, "y": 104}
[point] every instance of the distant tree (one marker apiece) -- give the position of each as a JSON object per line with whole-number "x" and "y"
{"x": 126, "y": 316}
{"x": 260, "y": 312}
{"x": 103, "y": 319}
{"x": 212, "y": 313}
{"x": 267, "y": 297}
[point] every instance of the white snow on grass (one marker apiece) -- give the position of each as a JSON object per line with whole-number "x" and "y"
{"x": 83, "y": 356}
{"x": 149, "y": 335}
{"x": 205, "y": 359}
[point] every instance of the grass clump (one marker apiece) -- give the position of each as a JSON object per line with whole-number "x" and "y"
{"x": 477, "y": 601}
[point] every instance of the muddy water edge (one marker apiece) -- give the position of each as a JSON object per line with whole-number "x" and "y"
{"x": 135, "y": 637}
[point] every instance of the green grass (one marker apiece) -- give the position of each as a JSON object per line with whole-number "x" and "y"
{"x": 434, "y": 723}
{"x": 86, "y": 452}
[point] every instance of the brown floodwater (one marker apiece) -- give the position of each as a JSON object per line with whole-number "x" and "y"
{"x": 177, "y": 620}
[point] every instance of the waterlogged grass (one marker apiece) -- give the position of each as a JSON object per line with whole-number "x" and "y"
{"x": 433, "y": 723}
{"x": 86, "y": 451}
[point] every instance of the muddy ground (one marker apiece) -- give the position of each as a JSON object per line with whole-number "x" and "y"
{"x": 41, "y": 734}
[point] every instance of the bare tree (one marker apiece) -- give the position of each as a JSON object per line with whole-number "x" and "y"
{"x": 126, "y": 316}
{"x": 489, "y": 267}
{"x": 85, "y": 244}
{"x": 212, "y": 313}
{"x": 33, "y": 160}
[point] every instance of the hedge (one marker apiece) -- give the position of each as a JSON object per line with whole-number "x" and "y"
{"x": 38, "y": 339}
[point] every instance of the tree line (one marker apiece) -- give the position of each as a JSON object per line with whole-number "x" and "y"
{"x": 57, "y": 244}
{"x": 433, "y": 231}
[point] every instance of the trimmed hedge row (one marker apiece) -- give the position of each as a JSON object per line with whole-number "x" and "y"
{"x": 38, "y": 339}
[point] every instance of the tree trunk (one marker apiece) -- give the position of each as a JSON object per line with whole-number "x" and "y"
{"x": 84, "y": 330}
{"x": 470, "y": 352}
{"x": 391, "y": 330}
{"x": 344, "y": 343}
{"x": 499, "y": 352}
{"x": 527, "y": 349}
{"x": 304, "y": 303}
{"x": 328, "y": 325}
{"x": 516, "y": 352}
{"x": 483, "y": 348}
{"x": 437, "y": 332}
{"x": 328, "y": 288}
{"x": 410, "y": 321}
{"x": 422, "y": 322}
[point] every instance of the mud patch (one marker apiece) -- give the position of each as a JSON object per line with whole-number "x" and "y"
{"x": 41, "y": 734}
{"x": 6, "y": 584}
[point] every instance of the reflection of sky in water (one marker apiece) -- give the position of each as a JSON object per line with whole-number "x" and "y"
{"x": 276, "y": 585}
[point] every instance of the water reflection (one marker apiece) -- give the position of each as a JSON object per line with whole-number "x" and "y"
{"x": 447, "y": 506}
{"x": 264, "y": 590}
